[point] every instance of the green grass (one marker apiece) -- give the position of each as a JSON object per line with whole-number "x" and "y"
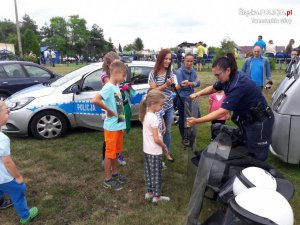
{"x": 63, "y": 68}
{"x": 64, "y": 177}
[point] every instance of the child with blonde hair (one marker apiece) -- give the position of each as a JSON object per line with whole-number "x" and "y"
{"x": 110, "y": 99}
{"x": 153, "y": 145}
{"x": 11, "y": 181}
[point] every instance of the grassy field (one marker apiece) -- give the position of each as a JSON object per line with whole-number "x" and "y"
{"x": 64, "y": 177}
{"x": 63, "y": 68}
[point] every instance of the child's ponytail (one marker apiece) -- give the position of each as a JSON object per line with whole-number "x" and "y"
{"x": 143, "y": 109}
{"x": 153, "y": 97}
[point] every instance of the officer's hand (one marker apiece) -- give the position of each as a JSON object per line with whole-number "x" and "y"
{"x": 194, "y": 96}
{"x": 191, "y": 121}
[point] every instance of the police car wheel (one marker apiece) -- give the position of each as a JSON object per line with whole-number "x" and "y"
{"x": 48, "y": 125}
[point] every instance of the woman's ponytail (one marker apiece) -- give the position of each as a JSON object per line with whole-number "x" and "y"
{"x": 232, "y": 63}
{"x": 225, "y": 62}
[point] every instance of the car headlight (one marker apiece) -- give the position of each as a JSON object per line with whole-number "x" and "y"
{"x": 18, "y": 103}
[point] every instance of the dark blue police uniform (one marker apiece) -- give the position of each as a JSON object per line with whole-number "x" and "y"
{"x": 242, "y": 96}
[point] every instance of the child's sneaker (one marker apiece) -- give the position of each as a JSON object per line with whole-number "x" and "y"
{"x": 119, "y": 178}
{"x": 5, "y": 203}
{"x": 121, "y": 160}
{"x": 33, "y": 212}
{"x": 148, "y": 195}
{"x": 112, "y": 184}
{"x": 160, "y": 199}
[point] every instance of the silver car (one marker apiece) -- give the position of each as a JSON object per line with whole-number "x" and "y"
{"x": 286, "y": 108}
{"x": 49, "y": 110}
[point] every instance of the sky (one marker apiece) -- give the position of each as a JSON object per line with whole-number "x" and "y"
{"x": 167, "y": 23}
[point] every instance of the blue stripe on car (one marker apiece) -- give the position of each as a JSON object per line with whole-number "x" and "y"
{"x": 80, "y": 107}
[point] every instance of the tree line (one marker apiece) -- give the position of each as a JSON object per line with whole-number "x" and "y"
{"x": 69, "y": 36}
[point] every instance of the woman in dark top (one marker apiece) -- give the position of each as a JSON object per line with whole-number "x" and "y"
{"x": 249, "y": 107}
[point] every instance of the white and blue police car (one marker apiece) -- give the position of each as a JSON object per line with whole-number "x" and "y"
{"x": 49, "y": 110}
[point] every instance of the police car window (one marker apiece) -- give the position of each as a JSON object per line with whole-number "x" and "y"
{"x": 34, "y": 71}
{"x": 14, "y": 71}
{"x": 139, "y": 74}
{"x": 92, "y": 82}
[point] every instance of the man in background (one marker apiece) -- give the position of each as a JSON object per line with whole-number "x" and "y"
{"x": 201, "y": 52}
{"x": 188, "y": 50}
{"x": 261, "y": 43}
{"x": 257, "y": 67}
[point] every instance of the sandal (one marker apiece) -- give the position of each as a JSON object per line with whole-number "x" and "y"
{"x": 171, "y": 159}
{"x": 33, "y": 212}
{"x": 5, "y": 203}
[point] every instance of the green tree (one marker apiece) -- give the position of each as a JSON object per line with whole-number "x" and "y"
{"x": 129, "y": 47}
{"x": 138, "y": 43}
{"x": 28, "y": 23}
{"x": 97, "y": 43}
{"x": 56, "y": 35}
{"x": 110, "y": 45}
{"x": 8, "y": 33}
{"x": 45, "y": 34}
{"x": 30, "y": 42}
{"x": 120, "y": 48}
{"x": 213, "y": 49}
{"x": 227, "y": 46}
{"x": 79, "y": 35}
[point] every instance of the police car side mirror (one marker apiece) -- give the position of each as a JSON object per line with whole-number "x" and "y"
{"x": 75, "y": 89}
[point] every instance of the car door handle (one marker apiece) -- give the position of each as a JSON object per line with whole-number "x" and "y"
{"x": 36, "y": 81}
{"x": 4, "y": 82}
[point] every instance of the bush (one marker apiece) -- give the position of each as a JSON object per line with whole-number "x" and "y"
{"x": 272, "y": 63}
{"x": 227, "y": 46}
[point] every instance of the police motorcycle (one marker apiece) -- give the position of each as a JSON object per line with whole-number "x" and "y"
{"x": 230, "y": 186}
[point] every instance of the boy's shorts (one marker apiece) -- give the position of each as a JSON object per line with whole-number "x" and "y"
{"x": 114, "y": 143}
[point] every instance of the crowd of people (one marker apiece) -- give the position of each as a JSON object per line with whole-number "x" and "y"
{"x": 48, "y": 57}
{"x": 235, "y": 94}
{"x": 198, "y": 52}
{"x": 270, "y": 48}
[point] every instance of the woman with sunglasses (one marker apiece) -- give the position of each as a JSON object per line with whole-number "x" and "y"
{"x": 245, "y": 100}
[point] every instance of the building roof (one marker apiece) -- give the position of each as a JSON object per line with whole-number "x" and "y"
{"x": 185, "y": 44}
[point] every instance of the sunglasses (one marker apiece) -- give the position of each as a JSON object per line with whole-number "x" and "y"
{"x": 218, "y": 74}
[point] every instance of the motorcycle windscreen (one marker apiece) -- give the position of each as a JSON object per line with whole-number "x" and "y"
{"x": 209, "y": 173}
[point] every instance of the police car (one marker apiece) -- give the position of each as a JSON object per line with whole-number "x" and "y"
{"x": 49, "y": 110}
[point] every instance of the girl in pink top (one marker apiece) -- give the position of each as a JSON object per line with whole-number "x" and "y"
{"x": 215, "y": 102}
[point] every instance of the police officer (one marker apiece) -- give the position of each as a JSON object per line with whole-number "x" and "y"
{"x": 245, "y": 100}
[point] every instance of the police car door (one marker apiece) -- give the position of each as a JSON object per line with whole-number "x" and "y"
{"x": 85, "y": 112}
{"x": 139, "y": 79}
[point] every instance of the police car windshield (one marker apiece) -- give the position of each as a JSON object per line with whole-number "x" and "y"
{"x": 79, "y": 72}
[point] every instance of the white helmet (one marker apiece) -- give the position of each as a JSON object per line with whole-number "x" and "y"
{"x": 253, "y": 177}
{"x": 260, "y": 205}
